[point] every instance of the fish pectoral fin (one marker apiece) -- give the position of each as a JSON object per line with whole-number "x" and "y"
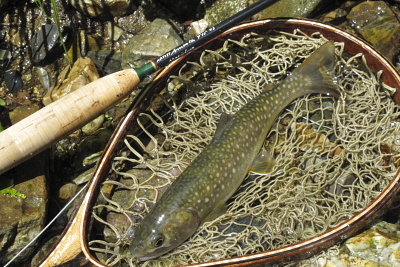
{"x": 223, "y": 120}
{"x": 219, "y": 210}
{"x": 263, "y": 163}
{"x": 268, "y": 86}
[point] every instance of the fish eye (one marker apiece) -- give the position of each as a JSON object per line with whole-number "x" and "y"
{"x": 157, "y": 240}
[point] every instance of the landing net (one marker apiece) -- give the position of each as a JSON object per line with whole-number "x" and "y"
{"x": 333, "y": 156}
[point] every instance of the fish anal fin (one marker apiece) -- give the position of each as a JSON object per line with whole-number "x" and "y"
{"x": 223, "y": 120}
{"x": 219, "y": 210}
{"x": 263, "y": 163}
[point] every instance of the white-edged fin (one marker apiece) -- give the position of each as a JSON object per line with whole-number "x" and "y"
{"x": 219, "y": 210}
{"x": 263, "y": 163}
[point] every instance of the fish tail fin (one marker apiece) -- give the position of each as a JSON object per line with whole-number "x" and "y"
{"x": 320, "y": 67}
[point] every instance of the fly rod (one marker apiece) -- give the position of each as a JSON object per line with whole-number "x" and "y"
{"x": 70, "y": 113}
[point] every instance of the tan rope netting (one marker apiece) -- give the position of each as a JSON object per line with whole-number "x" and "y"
{"x": 333, "y": 156}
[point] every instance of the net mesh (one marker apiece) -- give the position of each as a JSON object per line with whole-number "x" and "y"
{"x": 333, "y": 156}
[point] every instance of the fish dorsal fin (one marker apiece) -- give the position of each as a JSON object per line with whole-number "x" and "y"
{"x": 263, "y": 163}
{"x": 219, "y": 210}
{"x": 223, "y": 120}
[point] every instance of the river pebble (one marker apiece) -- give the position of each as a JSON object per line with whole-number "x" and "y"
{"x": 156, "y": 39}
{"x": 13, "y": 81}
{"x": 46, "y": 45}
{"x": 72, "y": 78}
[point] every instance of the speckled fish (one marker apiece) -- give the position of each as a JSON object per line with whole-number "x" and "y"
{"x": 201, "y": 191}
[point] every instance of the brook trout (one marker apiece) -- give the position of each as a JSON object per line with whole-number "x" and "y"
{"x": 201, "y": 191}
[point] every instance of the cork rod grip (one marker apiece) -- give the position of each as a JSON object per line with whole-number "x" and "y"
{"x": 62, "y": 117}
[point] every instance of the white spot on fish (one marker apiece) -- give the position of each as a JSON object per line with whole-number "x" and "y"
{"x": 206, "y": 200}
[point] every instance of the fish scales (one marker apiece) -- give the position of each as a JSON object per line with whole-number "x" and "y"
{"x": 203, "y": 188}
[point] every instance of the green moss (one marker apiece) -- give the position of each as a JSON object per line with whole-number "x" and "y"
{"x": 12, "y": 192}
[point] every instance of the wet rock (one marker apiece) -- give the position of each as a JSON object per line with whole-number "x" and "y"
{"x": 106, "y": 61}
{"x": 116, "y": 113}
{"x": 291, "y": 8}
{"x": 67, "y": 191}
{"x": 82, "y": 43}
{"x": 46, "y": 45}
{"x": 103, "y": 9}
{"x": 223, "y": 9}
{"x": 93, "y": 126}
{"x": 5, "y": 57}
{"x": 23, "y": 218}
{"x": 92, "y": 145}
{"x": 21, "y": 112}
{"x": 114, "y": 32}
{"x": 378, "y": 246}
{"x": 19, "y": 38}
{"x": 44, "y": 78}
{"x": 121, "y": 222}
{"x": 156, "y": 39}
{"x": 44, "y": 248}
{"x": 376, "y": 23}
{"x": 196, "y": 27}
{"x": 70, "y": 79}
{"x": 83, "y": 177}
{"x": 13, "y": 81}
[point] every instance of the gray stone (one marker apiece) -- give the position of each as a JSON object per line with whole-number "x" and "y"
{"x": 83, "y": 177}
{"x": 94, "y": 125}
{"x": 222, "y": 9}
{"x": 291, "y": 8}
{"x": 46, "y": 45}
{"x": 13, "y": 81}
{"x": 5, "y": 57}
{"x": 106, "y": 61}
{"x": 156, "y": 39}
{"x": 44, "y": 78}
